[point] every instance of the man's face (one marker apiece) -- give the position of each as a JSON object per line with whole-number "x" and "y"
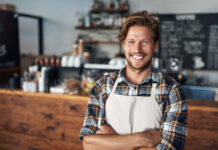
{"x": 139, "y": 47}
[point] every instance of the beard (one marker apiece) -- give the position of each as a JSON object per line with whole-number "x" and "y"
{"x": 146, "y": 64}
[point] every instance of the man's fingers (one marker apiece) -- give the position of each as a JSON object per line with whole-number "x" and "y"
{"x": 106, "y": 129}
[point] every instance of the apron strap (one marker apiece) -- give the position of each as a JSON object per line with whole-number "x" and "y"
{"x": 115, "y": 84}
{"x": 153, "y": 89}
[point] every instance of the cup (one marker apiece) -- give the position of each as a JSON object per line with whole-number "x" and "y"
{"x": 71, "y": 61}
{"x": 64, "y": 61}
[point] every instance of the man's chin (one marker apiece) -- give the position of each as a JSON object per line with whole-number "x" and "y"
{"x": 139, "y": 67}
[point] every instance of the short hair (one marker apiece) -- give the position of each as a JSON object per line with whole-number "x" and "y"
{"x": 141, "y": 18}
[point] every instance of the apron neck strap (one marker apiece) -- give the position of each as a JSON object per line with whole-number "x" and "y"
{"x": 115, "y": 84}
{"x": 153, "y": 89}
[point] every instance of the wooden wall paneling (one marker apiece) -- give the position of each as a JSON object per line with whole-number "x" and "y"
{"x": 19, "y": 141}
{"x": 40, "y": 121}
{"x": 56, "y": 127}
{"x": 36, "y": 104}
{"x": 75, "y": 107}
{"x": 43, "y": 104}
{"x": 58, "y": 120}
{"x": 202, "y": 129}
{"x": 207, "y": 138}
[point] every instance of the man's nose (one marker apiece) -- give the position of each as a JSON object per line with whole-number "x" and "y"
{"x": 137, "y": 47}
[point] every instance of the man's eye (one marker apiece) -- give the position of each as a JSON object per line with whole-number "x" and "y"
{"x": 130, "y": 42}
{"x": 145, "y": 42}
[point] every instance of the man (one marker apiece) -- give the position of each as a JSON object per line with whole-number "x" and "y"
{"x": 137, "y": 107}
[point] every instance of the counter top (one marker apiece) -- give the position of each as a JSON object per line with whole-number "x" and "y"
{"x": 53, "y": 121}
{"x": 193, "y": 103}
{"x": 48, "y": 95}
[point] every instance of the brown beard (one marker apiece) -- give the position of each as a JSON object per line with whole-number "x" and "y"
{"x": 148, "y": 63}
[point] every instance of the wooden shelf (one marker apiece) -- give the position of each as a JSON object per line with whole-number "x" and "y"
{"x": 98, "y": 27}
{"x": 103, "y": 42}
{"x": 109, "y": 11}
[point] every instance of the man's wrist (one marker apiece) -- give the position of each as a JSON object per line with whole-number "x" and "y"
{"x": 139, "y": 139}
{"x": 149, "y": 138}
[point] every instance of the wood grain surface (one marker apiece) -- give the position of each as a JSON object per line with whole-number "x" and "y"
{"x": 43, "y": 121}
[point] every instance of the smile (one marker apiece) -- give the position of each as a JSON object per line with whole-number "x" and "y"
{"x": 135, "y": 57}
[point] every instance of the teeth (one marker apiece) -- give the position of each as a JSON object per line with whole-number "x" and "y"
{"x": 137, "y": 57}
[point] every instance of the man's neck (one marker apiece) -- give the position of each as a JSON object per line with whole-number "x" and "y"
{"x": 137, "y": 76}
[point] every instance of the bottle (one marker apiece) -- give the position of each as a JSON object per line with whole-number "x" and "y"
{"x": 87, "y": 20}
{"x": 64, "y": 61}
{"x": 71, "y": 61}
{"x": 81, "y": 47}
{"x": 14, "y": 82}
{"x": 41, "y": 80}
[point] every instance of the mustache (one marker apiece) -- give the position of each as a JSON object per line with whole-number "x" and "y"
{"x": 144, "y": 54}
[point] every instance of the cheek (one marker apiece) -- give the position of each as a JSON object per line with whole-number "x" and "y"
{"x": 129, "y": 48}
{"x": 126, "y": 48}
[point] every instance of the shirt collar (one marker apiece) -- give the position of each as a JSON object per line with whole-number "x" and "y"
{"x": 152, "y": 77}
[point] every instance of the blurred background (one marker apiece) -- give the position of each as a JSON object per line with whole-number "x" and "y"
{"x": 63, "y": 47}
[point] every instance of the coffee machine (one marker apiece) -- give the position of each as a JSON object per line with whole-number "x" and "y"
{"x": 174, "y": 68}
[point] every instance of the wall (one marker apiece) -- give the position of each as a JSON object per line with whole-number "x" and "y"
{"x": 175, "y": 6}
{"x": 181, "y": 6}
{"x": 61, "y": 17}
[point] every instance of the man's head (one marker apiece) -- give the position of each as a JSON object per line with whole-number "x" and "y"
{"x": 139, "y": 37}
{"x": 141, "y": 19}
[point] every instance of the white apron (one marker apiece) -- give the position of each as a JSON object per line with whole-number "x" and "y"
{"x": 131, "y": 114}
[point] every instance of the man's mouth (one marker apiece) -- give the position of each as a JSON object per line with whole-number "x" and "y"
{"x": 138, "y": 57}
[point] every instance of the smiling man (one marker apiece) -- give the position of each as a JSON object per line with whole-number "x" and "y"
{"x": 137, "y": 107}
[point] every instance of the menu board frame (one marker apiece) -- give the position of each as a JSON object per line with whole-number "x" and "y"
{"x": 9, "y": 40}
{"x": 191, "y": 37}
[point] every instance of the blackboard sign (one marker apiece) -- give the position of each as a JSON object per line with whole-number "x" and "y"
{"x": 9, "y": 47}
{"x": 191, "y": 37}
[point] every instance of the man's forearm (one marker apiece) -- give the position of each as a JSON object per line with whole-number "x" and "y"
{"x": 115, "y": 142}
{"x": 121, "y": 142}
{"x": 146, "y": 148}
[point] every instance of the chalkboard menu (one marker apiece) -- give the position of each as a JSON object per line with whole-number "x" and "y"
{"x": 9, "y": 46}
{"x": 191, "y": 37}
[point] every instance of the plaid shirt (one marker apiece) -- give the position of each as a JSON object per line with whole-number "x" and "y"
{"x": 169, "y": 97}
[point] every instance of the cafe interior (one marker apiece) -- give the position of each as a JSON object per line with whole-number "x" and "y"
{"x": 52, "y": 53}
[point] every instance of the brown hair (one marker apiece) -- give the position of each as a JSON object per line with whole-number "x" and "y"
{"x": 141, "y": 18}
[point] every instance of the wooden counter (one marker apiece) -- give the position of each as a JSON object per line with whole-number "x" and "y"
{"x": 39, "y": 121}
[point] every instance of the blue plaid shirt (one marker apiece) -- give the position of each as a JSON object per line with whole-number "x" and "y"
{"x": 169, "y": 97}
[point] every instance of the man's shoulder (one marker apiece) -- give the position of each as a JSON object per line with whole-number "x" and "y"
{"x": 107, "y": 79}
{"x": 166, "y": 83}
{"x": 169, "y": 86}
{"x": 164, "y": 78}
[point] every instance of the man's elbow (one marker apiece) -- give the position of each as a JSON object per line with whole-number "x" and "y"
{"x": 86, "y": 143}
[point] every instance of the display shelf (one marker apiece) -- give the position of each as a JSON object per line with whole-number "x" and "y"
{"x": 103, "y": 42}
{"x": 109, "y": 11}
{"x": 97, "y": 27}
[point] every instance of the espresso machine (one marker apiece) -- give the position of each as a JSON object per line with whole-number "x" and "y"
{"x": 173, "y": 67}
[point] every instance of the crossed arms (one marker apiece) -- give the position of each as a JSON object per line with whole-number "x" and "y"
{"x": 108, "y": 139}
{"x": 173, "y": 127}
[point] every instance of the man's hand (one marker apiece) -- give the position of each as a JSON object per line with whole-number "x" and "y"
{"x": 108, "y": 139}
{"x": 146, "y": 148}
{"x": 151, "y": 137}
{"x": 106, "y": 129}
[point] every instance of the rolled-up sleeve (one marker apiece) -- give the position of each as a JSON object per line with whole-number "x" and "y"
{"x": 94, "y": 114}
{"x": 174, "y": 125}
